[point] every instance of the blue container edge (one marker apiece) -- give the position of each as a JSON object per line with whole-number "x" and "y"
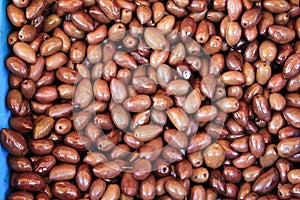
{"x": 4, "y": 87}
